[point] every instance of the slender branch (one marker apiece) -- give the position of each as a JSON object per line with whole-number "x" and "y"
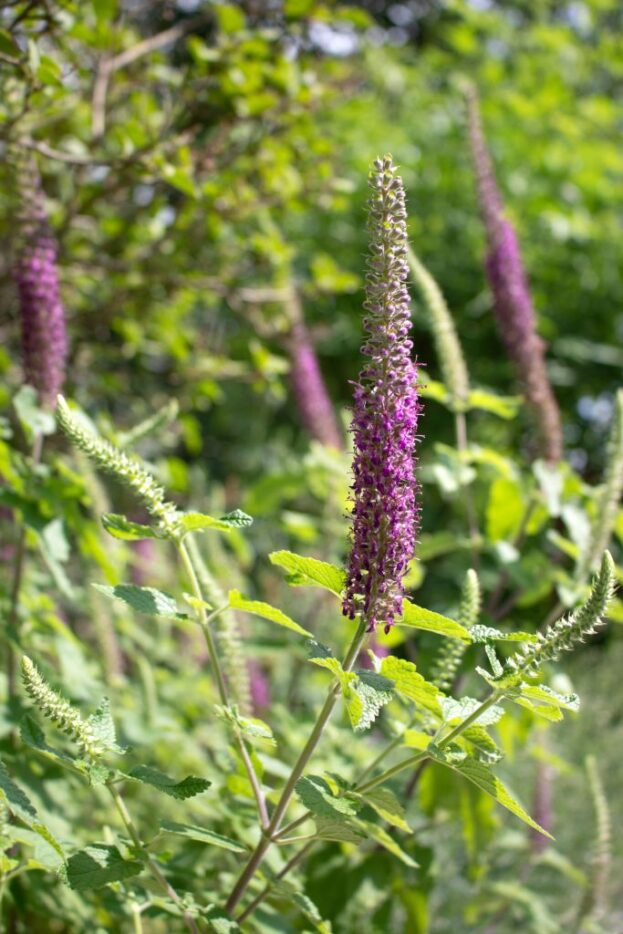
{"x": 460, "y": 424}
{"x": 297, "y": 771}
{"x": 294, "y": 861}
{"x": 151, "y": 864}
{"x": 116, "y": 62}
{"x": 204, "y": 621}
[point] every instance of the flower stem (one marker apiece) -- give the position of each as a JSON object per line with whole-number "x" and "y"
{"x": 294, "y": 861}
{"x": 460, "y": 424}
{"x": 204, "y": 621}
{"x": 297, "y": 771}
{"x": 151, "y": 863}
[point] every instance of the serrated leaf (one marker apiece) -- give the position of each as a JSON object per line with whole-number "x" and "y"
{"x": 420, "y": 618}
{"x": 410, "y": 683}
{"x": 202, "y": 835}
{"x": 145, "y": 600}
{"x": 386, "y": 805}
{"x": 198, "y": 522}
{"x": 219, "y": 921}
{"x": 32, "y": 735}
{"x": 98, "y": 865}
{"x": 546, "y": 695}
{"x": 103, "y": 726}
{"x": 44, "y": 854}
{"x": 265, "y": 611}
{"x": 120, "y": 527}
{"x": 455, "y": 710}
{"x": 380, "y": 836}
{"x": 415, "y": 739}
{"x": 366, "y": 697}
{"x": 21, "y": 807}
{"x": 315, "y": 794}
{"x": 480, "y": 775}
{"x": 484, "y": 747}
{"x": 285, "y": 889}
{"x": 186, "y": 788}
{"x": 309, "y": 572}
{"x": 339, "y": 831}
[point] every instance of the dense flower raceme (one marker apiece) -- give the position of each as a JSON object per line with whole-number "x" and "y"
{"x": 513, "y": 302}
{"x": 385, "y": 418}
{"x": 308, "y": 386}
{"x": 44, "y": 336}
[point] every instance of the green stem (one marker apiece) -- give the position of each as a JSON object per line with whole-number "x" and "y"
{"x": 137, "y": 922}
{"x": 294, "y": 861}
{"x": 151, "y": 864}
{"x": 460, "y": 424}
{"x": 297, "y": 771}
{"x": 204, "y": 621}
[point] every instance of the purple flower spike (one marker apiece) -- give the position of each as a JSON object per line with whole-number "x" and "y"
{"x": 44, "y": 337}
{"x": 385, "y": 418}
{"x": 511, "y": 293}
{"x": 309, "y": 389}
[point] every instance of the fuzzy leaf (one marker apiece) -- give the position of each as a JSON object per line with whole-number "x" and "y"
{"x": 386, "y": 805}
{"x": 380, "y": 835}
{"x": 32, "y": 735}
{"x": 187, "y": 788}
{"x": 420, "y": 618}
{"x": 309, "y": 572}
{"x": 340, "y": 831}
{"x": 503, "y": 406}
{"x": 478, "y": 773}
{"x": 316, "y": 795}
{"x": 103, "y": 726}
{"x": 485, "y": 748}
{"x": 120, "y": 527}
{"x": 98, "y": 865}
{"x": 411, "y": 684}
{"x": 541, "y": 694}
{"x": 219, "y": 921}
{"x": 198, "y": 522}
{"x": 265, "y": 611}
{"x": 366, "y": 697}
{"x": 202, "y": 835}
{"x": 20, "y": 805}
{"x": 484, "y": 634}
{"x": 455, "y": 710}
{"x": 145, "y": 600}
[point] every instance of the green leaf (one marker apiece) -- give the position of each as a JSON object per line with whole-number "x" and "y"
{"x": 386, "y": 805}
{"x": 503, "y": 406}
{"x": 202, "y": 835}
{"x": 411, "y": 684}
{"x": 16, "y": 800}
{"x": 120, "y": 527}
{"x": 309, "y": 572}
{"x": 371, "y": 693}
{"x": 420, "y": 618}
{"x": 546, "y": 695}
{"x": 103, "y": 726}
{"x": 340, "y": 831}
{"x": 505, "y": 509}
{"x": 380, "y": 835}
{"x": 98, "y": 865}
{"x": 145, "y": 600}
{"x": 316, "y": 795}
{"x": 33, "y": 419}
{"x": 198, "y": 522}
{"x": 44, "y": 854}
{"x": 187, "y": 788}
{"x": 284, "y": 889}
{"x": 480, "y": 775}
{"x": 219, "y": 921}
{"x": 455, "y": 710}
{"x": 32, "y": 735}
{"x": 265, "y": 611}
{"x": 478, "y": 742}
{"x": 8, "y": 46}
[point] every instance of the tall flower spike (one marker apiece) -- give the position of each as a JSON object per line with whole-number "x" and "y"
{"x": 44, "y": 335}
{"x": 447, "y": 344}
{"x": 59, "y": 711}
{"x": 385, "y": 418}
{"x": 512, "y": 300}
{"x": 564, "y": 634}
{"x": 610, "y": 496}
{"x": 308, "y": 386}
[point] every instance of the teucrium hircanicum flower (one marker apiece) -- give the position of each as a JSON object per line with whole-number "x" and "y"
{"x": 564, "y": 634}
{"x": 308, "y": 386}
{"x": 385, "y": 418}
{"x": 447, "y": 344}
{"x": 59, "y": 711}
{"x": 44, "y": 335}
{"x": 610, "y": 495}
{"x": 512, "y": 300}
{"x": 448, "y": 660}
{"x": 127, "y": 470}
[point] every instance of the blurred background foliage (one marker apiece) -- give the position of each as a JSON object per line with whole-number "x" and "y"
{"x": 203, "y": 162}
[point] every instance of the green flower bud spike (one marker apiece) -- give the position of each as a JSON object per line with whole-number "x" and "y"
{"x": 451, "y": 654}
{"x": 447, "y": 344}
{"x": 564, "y": 634}
{"x": 55, "y": 708}
{"x": 127, "y": 470}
